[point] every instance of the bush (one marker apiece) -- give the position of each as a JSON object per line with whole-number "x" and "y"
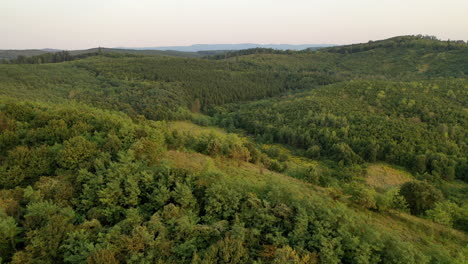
{"x": 362, "y": 195}
{"x": 391, "y": 199}
{"x": 420, "y": 196}
{"x": 449, "y": 214}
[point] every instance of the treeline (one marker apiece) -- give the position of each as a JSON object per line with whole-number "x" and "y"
{"x": 51, "y": 57}
{"x": 237, "y": 53}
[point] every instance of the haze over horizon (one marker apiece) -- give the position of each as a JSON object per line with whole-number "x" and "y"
{"x": 29, "y": 24}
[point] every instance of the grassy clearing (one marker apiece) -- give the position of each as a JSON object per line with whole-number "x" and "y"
{"x": 185, "y": 126}
{"x": 383, "y": 176}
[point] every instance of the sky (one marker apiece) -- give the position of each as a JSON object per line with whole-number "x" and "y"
{"x": 80, "y": 24}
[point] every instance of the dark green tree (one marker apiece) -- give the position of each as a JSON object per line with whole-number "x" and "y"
{"x": 420, "y": 196}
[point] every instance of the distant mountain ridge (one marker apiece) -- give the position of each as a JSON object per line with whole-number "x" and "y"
{"x": 207, "y": 47}
{"x": 197, "y": 50}
{"x": 13, "y": 54}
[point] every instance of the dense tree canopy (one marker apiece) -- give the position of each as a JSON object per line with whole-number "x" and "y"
{"x": 94, "y": 169}
{"x": 97, "y": 196}
{"x": 418, "y": 125}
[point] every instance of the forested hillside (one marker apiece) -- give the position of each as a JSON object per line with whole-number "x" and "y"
{"x": 13, "y": 54}
{"x": 418, "y": 125}
{"x": 171, "y": 82}
{"x": 152, "y": 86}
{"x": 351, "y": 154}
{"x": 84, "y": 185}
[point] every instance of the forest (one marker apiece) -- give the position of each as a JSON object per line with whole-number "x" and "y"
{"x": 347, "y": 154}
{"x": 417, "y": 125}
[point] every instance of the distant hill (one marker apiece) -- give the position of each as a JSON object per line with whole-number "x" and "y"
{"x": 193, "y": 51}
{"x": 209, "y": 47}
{"x": 13, "y": 54}
{"x": 140, "y": 51}
{"x": 420, "y": 42}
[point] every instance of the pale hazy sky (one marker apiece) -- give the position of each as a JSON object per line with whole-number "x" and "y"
{"x": 78, "y": 24}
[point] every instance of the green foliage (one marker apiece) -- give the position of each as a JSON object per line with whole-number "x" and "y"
{"x": 362, "y": 196}
{"x": 420, "y": 196}
{"x": 226, "y": 251}
{"x": 222, "y": 203}
{"x": 449, "y": 214}
{"x": 76, "y": 153}
{"x": 391, "y": 199}
{"x": 429, "y": 43}
{"x": 55, "y": 57}
{"x": 81, "y": 184}
{"x": 104, "y": 203}
{"x": 397, "y": 252}
{"x": 149, "y": 150}
{"x": 290, "y": 256}
{"x": 9, "y": 231}
{"x": 350, "y": 123}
